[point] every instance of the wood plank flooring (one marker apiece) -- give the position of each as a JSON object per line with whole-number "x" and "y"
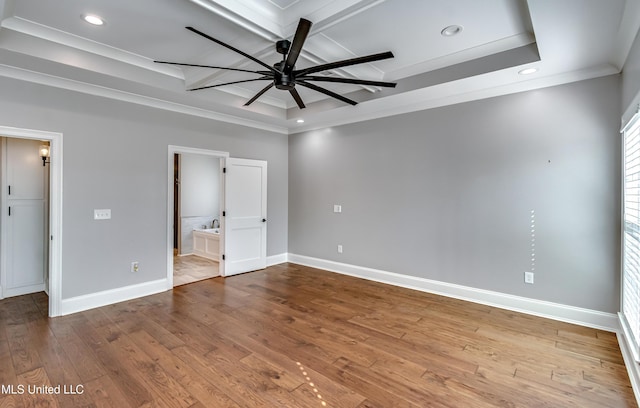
{"x": 193, "y": 268}
{"x": 292, "y": 336}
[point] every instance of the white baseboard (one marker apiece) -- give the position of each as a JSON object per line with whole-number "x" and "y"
{"x": 277, "y": 259}
{"x": 107, "y": 297}
{"x": 633, "y": 368}
{"x": 555, "y": 311}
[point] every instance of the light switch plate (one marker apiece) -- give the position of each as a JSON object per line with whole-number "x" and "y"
{"x": 104, "y": 214}
{"x": 528, "y": 277}
{"x": 337, "y": 208}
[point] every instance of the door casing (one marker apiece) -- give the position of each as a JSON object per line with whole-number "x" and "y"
{"x": 55, "y": 209}
{"x": 172, "y": 151}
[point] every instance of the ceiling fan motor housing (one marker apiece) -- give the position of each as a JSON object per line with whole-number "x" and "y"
{"x": 283, "y": 79}
{"x": 282, "y": 46}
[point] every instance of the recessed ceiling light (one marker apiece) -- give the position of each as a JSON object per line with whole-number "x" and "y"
{"x": 93, "y": 19}
{"x": 300, "y": 121}
{"x": 528, "y": 71}
{"x": 451, "y": 30}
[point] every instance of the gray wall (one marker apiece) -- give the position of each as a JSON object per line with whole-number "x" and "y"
{"x": 115, "y": 156}
{"x": 631, "y": 76}
{"x": 446, "y": 194}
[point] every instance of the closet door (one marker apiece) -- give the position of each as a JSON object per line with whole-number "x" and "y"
{"x": 25, "y": 173}
{"x": 25, "y": 257}
{"x": 24, "y": 226}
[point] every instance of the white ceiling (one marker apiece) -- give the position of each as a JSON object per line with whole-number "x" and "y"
{"x": 47, "y": 42}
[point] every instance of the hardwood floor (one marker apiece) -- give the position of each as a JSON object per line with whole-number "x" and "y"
{"x": 291, "y": 336}
{"x": 193, "y": 268}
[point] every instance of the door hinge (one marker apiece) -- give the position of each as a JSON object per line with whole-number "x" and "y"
{"x": 224, "y": 213}
{"x": 224, "y": 169}
{"x": 9, "y": 190}
{"x": 9, "y": 211}
{"x": 223, "y": 257}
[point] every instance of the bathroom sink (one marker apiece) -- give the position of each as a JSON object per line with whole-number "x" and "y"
{"x": 211, "y": 230}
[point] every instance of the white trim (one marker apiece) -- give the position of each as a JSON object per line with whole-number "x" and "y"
{"x": 172, "y": 150}
{"x": 555, "y": 311}
{"x": 267, "y": 28}
{"x": 445, "y": 94}
{"x": 55, "y": 208}
{"x": 108, "y": 297}
{"x": 116, "y": 94}
{"x": 630, "y": 116}
{"x": 277, "y": 259}
{"x": 626, "y": 332}
{"x": 73, "y": 41}
{"x": 633, "y": 367}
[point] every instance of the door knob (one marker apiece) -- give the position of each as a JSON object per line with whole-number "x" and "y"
{"x": 264, "y": 220}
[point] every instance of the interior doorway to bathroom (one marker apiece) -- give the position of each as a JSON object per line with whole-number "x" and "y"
{"x": 197, "y": 216}
{"x": 242, "y": 235}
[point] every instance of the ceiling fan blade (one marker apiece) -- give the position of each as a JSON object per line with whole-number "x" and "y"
{"x": 346, "y": 81}
{"x": 344, "y": 63}
{"x": 297, "y": 98}
{"x": 259, "y": 94}
{"x": 211, "y": 66}
{"x": 298, "y": 41}
{"x": 244, "y": 54}
{"x": 326, "y": 92}
{"x": 231, "y": 83}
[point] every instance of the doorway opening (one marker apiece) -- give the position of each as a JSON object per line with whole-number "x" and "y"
{"x": 196, "y": 222}
{"x": 44, "y": 206}
{"x": 25, "y": 209}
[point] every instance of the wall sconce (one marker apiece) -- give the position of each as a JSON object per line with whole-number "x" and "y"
{"x": 45, "y": 152}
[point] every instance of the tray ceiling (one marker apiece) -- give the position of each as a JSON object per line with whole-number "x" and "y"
{"x": 48, "y": 42}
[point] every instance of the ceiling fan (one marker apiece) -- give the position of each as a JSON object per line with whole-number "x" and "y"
{"x": 283, "y": 74}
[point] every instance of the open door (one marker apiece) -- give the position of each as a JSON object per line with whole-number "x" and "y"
{"x": 245, "y": 216}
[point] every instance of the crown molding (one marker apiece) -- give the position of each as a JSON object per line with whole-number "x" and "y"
{"x": 450, "y": 93}
{"x": 36, "y": 30}
{"x": 96, "y": 90}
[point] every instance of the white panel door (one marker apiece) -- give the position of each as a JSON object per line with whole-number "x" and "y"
{"x": 25, "y": 173}
{"x": 24, "y": 217}
{"x": 245, "y": 244}
{"x": 25, "y": 255}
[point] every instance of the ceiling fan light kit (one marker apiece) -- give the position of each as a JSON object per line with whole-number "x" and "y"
{"x": 283, "y": 75}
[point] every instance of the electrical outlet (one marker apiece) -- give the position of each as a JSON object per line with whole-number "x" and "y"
{"x": 339, "y": 249}
{"x": 104, "y": 214}
{"x": 528, "y": 277}
{"x": 135, "y": 266}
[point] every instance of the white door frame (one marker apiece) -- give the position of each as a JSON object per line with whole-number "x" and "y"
{"x": 55, "y": 209}
{"x": 173, "y": 150}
